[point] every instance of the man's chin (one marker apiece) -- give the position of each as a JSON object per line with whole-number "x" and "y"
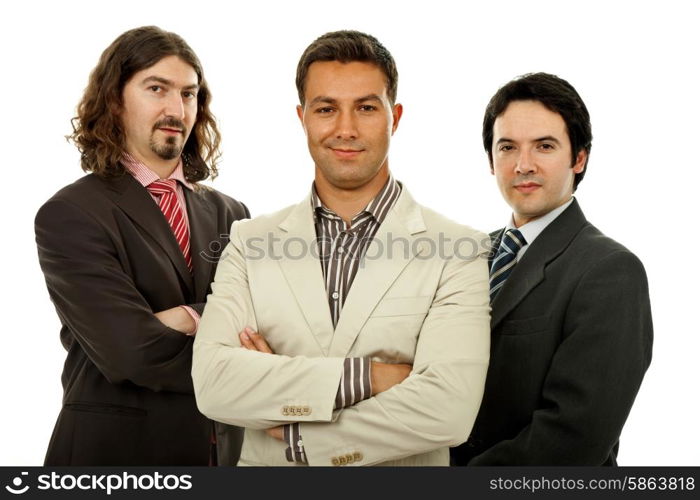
{"x": 167, "y": 152}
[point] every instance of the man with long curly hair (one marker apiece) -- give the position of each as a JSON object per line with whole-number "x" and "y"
{"x": 129, "y": 252}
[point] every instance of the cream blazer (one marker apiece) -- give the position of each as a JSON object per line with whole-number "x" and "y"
{"x": 420, "y": 296}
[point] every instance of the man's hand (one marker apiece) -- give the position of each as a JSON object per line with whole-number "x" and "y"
{"x": 386, "y": 375}
{"x": 276, "y": 432}
{"x": 178, "y": 319}
{"x": 253, "y": 341}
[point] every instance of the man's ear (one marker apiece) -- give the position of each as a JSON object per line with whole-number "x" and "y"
{"x": 580, "y": 164}
{"x": 300, "y": 114}
{"x": 396, "y": 113}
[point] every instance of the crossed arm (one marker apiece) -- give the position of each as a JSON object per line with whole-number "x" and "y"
{"x": 383, "y": 376}
{"x": 432, "y": 408}
{"x": 99, "y": 303}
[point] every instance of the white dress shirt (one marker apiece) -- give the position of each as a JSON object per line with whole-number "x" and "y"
{"x": 532, "y": 230}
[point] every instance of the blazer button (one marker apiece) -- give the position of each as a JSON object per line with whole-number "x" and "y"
{"x": 285, "y": 410}
{"x": 335, "y": 461}
{"x": 350, "y": 458}
{"x": 357, "y": 456}
{"x": 342, "y": 460}
{"x": 306, "y": 410}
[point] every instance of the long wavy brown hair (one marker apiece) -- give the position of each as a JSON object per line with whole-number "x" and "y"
{"x": 97, "y": 130}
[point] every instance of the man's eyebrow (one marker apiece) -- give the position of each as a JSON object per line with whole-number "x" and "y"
{"x": 539, "y": 139}
{"x": 323, "y": 98}
{"x": 331, "y": 100}
{"x": 369, "y": 97}
{"x": 165, "y": 81}
{"x": 548, "y": 138}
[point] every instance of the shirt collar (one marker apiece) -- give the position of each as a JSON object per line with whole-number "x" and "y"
{"x": 532, "y": 230}
{"x": 146, "y": 176}
{"x": 378, "y": 207}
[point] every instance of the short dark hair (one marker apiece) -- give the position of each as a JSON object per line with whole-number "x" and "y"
{"x": 348, "y": 46}
{"x": 555, "y": 94}
{"x": 97, "y": 130}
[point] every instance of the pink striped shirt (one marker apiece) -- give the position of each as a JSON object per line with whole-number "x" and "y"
{"x": 146, "y": 176}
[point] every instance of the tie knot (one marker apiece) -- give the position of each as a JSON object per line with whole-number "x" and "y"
{"x": 513, "y": 240}
{"x": 161, "y": 187}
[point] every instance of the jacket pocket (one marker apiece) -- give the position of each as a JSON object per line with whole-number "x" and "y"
{"x": 403, "y": 306}
{"x": 525, "y": 326}
{"x": 106, "y": 408}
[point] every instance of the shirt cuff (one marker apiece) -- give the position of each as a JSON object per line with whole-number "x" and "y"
{"x": 295, "y": 446}
{"x": 195, "y": 317}
{"x": 355, "y": 382}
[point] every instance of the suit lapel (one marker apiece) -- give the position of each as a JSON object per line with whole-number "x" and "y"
{"x": 529, "y": 271}
{"x": 302, "y": 270}
{"x": 202, "y": 229}
{"x": 135, "y": 201}
{"x": 376, "y": 275}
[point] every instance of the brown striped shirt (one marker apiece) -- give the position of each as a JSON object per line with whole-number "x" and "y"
{"x": 341, "y": 248}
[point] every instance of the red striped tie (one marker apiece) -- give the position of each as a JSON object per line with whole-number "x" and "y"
{"x": 164, "y": 190}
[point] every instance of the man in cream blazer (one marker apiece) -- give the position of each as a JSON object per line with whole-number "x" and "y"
{"x": 307, "y": 351}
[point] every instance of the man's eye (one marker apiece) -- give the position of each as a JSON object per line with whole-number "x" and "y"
{"x": 546, "y": 146}
{"x": 367, "y": 107}
{"x": 324, "y": 110}
{"x": 155, "y": 88}
{"x": 506, "y": 147}
{"x": 189, "y": 94}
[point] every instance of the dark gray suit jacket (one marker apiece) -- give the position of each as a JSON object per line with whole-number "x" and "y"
{"x": 110, "y": 261}
{"x": 571, "y": 338}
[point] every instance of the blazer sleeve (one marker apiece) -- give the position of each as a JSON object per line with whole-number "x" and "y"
{"x": 100, "y": 305}
{"x": 594, "y": 375}
{"x": 248, "y": 388}
{"x": 437, "y": 404}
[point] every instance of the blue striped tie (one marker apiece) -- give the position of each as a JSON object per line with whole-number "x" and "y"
{"x": 503, "y": 264}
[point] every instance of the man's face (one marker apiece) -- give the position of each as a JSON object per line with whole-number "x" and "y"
{"x": 159, "y": 110}
{"x": 348, "y": 121}
{"x": 532, "y": 160}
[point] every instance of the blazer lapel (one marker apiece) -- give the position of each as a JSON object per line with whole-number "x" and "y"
{"x": 377, "y": 274}
{"x": 302, "y": 269}
{"x": 529, "y": 271}
{"x": 202, "y": 229}
{"x": 135, "y": 201}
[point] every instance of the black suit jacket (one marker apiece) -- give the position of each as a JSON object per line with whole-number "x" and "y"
{"x": 111, "y": 261}
{"x": 571, "y": 338}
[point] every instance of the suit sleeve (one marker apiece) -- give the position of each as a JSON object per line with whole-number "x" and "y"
{"x": 100, "y": 305}
{"x": 250, "y": 388}
{"x": 437, "y": 404}
{"x": 594, "y": 375}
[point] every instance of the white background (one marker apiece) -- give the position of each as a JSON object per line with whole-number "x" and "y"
{"x": 634, "y": 63}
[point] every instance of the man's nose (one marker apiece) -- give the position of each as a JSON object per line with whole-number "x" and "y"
{"x": 175, "y": 106}
{"x": 346, "y": 126}
{"x": 524, "y": 163}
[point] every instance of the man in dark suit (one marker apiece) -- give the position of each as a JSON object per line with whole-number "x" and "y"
{"x": 129, "y": 252}
{"x": 571, "y": 329}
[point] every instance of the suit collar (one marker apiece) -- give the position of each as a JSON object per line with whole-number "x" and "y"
{"x": 529, "y": 272}
{"x": 203, "y": 226}
{"x": 299, "y": 261}
{"x": 305, "y": 277}
{"x": 134, "y": 200}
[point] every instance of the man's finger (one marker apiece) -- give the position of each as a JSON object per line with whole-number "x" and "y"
{"x": 259, "y": 341}
{"x": 246, "y": 341}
